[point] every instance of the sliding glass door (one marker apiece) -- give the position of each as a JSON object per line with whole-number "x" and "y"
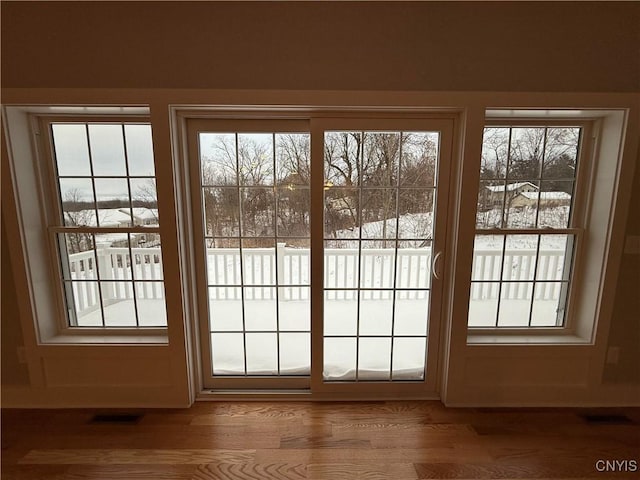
{"x": 360, "y": 200}
{"x": 384, "y": 194}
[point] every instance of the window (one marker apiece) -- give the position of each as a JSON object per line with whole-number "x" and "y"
{"x": 105, "y": 223}
{"x": 528, "y": 226}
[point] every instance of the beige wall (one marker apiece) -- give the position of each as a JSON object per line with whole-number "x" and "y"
{"x": 500, "y": 46}
{"x": 423, "y": 46}
{"x": 625, "y": 328}
{"x": 13, "y": 372}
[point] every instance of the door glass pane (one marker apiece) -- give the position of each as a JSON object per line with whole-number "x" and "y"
{"x": 379, "y": 197}
{"x": 340, "y": 312}
{"x": 227, "y": 353}
{"x": 255, "y": 198}
{"x": 408, "y": 358}
{"x": 340, "y": 358}
{"x": 374, "y": 359}
{"x": 411, "y": 312}
{"x": 262, "y": 353}
{"x": 225, "y": 309}
{"x": 376, "y": 312}
{"x": 295, "y": 353}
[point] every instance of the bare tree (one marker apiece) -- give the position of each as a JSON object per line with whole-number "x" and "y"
{"x": 77, "y": 213}
{"x": 293, "y": 169}
{"x": 342, "y": 160}
{"x": 146, "y": 195}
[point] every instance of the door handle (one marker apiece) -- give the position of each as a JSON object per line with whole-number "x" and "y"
{"x": 435, "y": 264}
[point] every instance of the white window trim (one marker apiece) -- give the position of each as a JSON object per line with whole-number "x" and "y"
{"x": 343, "y": 117}
{"x": 597, "y": 195}
{"x": 578, "y": 225}
{"x": 31, "y": 177}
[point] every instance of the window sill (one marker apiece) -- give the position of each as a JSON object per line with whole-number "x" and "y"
{"x": 537, "y": 338}
{"x": 102, "y": 337}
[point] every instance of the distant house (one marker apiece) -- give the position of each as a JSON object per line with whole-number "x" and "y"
{"x": 144, "y": 216}
{"x": 343, "y": 205}
{"x": 107, "y": 217}
{"x": 494, "y": 195}
{"x": 514, "y": 188}
{"x": 547, "y": 199}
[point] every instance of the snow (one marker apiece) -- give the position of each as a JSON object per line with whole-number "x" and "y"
{"x": 546, "y": 196}
{"x": 112, "y": 217}
{"x": 271, "y": 326}
{"x": 510, "y": 187}
{"x": 525, "y": 217}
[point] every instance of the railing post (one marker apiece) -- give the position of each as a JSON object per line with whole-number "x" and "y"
{"x": 280, "y": 252}
{"x": 105, "y": 271}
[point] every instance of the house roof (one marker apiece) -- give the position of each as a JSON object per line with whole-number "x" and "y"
{"x": 144, "y": 213}
{"x": 546, "y": 195}
{"x": 510, "y": 186}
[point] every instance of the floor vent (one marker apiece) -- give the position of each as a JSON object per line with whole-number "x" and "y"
{"x": 116, "y": 418}
{"x": 607, "y": 419}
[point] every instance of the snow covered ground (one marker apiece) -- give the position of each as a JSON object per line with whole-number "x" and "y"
{"x": 263, "y": 316}
{"x": 340, "y": 319}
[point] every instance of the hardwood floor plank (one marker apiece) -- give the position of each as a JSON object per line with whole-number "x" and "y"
{"x": 251, "y": 471}
{"x": 98, "y": 472}
{"x": 371, "y": 471}
{"x": 131, "y": 472}
{"x": 215, "y": 419}
{"x": 559, "y": 453}
{"x": 533, "y": 469}
{"x": 403, "y": 428}
{"x": 617, "y": 431}
{"x": 188, "y": 437}
{"x": 135, "y": 456}
{"x": 33, "y": 472}
{"x": 304, "y": 442}
{"x": 405, "y": 435}
{"x": 373, "y": 455}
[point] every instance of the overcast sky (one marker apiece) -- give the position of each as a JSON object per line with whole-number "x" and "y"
{"x": 103, "y": 150}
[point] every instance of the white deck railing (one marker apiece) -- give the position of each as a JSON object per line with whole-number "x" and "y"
{"x": 341, "y": 266}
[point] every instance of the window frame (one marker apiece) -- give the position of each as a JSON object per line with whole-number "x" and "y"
{"x": 578, "y": 222}
{"x": 249, "y": 123}
{"x": 55, "y": 223}
{"x": 57, "y": 327}
{"x": 597, "y": 143}
{"x": 447, "y": 122}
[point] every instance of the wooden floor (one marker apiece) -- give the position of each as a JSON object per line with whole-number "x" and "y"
{"x": 372, "y": 440}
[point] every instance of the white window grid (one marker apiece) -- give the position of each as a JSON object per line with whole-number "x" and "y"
{"x": 362, "y": 288}
{"x": 97, "y": 288}
{"x": 256, "y": 274}
{"x": 529, "y": 283}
